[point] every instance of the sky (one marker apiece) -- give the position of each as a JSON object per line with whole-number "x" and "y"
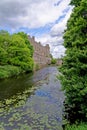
{"x": 44, "y": 19}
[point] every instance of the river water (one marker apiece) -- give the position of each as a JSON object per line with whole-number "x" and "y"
{"x": 32, "y": 101}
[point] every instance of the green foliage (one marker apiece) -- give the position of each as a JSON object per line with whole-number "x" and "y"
{"x": 9, "y": 70}
{"x": 4, "y": 43}
{"x": 25, "y": 37}
{"x": 53, "y": 61}
{"x": 15, "y": 50}
{"x": 74, "y": 67}
{"x": 75, "y": 2}
{"x": 82, "y": 126}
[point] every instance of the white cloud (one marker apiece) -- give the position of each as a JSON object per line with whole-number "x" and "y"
{"x": 58, "y": 28}
{"x": 55, "y": 37}
{"x": 57, "y": 34}
{"x": 30, "y": 13}
{"x": 58, "y": 51}
{"x": 35, "y": 14}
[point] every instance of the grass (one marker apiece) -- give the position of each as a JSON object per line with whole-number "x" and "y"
{"x": 82, "y": 126}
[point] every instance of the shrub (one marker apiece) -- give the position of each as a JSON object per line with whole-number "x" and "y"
{"x": 74, "y": 67}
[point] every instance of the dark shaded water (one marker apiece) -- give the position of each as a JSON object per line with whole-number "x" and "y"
{"x": 32, "y": 102}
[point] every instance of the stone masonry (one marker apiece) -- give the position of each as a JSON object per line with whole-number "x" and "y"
{"x": 41, "y": 53}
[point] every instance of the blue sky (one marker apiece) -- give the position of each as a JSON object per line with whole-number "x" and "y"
{"x": 44, "y": 19}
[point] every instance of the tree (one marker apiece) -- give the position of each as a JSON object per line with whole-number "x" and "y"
{"x": 27, "y": 42}
{"x": 74, "y": 67}
{"x": 53, "y": 61}
{"x": 19, "y": 53}
{"x": 75, "y": 2}
{"x": 4, "y": 44}
{"x": 16, "y": 54}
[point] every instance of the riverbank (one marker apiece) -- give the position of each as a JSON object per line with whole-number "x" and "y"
{"x": 82, "y": 126}
{"x": 8, "y": 71}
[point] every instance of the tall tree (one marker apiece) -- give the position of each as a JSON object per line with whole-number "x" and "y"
{"x": 75, "y": 2}
{"x": 15, "y": 50}
{"x": 74, "y": 67}
{"x": 4, "y": 43}
{"x": 19, "y": 53}
{"x": 27, "y": 42}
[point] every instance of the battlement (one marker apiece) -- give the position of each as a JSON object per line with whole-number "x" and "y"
{"x": 41, "y": 53}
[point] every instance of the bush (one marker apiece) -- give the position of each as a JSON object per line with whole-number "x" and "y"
{"x": 16, "y": 54}
{"x": 82, "y": 126}
{"x": 74, "y": 67}
{"x": 53, "y": 61}
{"x": 8, "y": 71}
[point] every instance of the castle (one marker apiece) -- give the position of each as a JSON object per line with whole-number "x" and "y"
{"x": 41, "y": 54}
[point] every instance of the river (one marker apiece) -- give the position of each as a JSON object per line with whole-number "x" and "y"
{"x": 32, "y": 101}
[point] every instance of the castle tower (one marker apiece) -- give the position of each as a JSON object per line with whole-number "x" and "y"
{"x": 41, "y": 53}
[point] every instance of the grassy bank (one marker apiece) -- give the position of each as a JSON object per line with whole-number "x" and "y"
{"x": 82, "y": 126}
{"x": 9, "y": 71}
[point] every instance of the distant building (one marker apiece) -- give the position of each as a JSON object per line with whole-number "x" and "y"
{"x": 41, "y": 53}
{"x": 59, "y": 62}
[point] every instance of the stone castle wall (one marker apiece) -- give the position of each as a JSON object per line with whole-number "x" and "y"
{"x": 41, "y": 53}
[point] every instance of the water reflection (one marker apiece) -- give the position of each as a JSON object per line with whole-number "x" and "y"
{"x": 12, "y": 86}
{"x": 31, "y": 102}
